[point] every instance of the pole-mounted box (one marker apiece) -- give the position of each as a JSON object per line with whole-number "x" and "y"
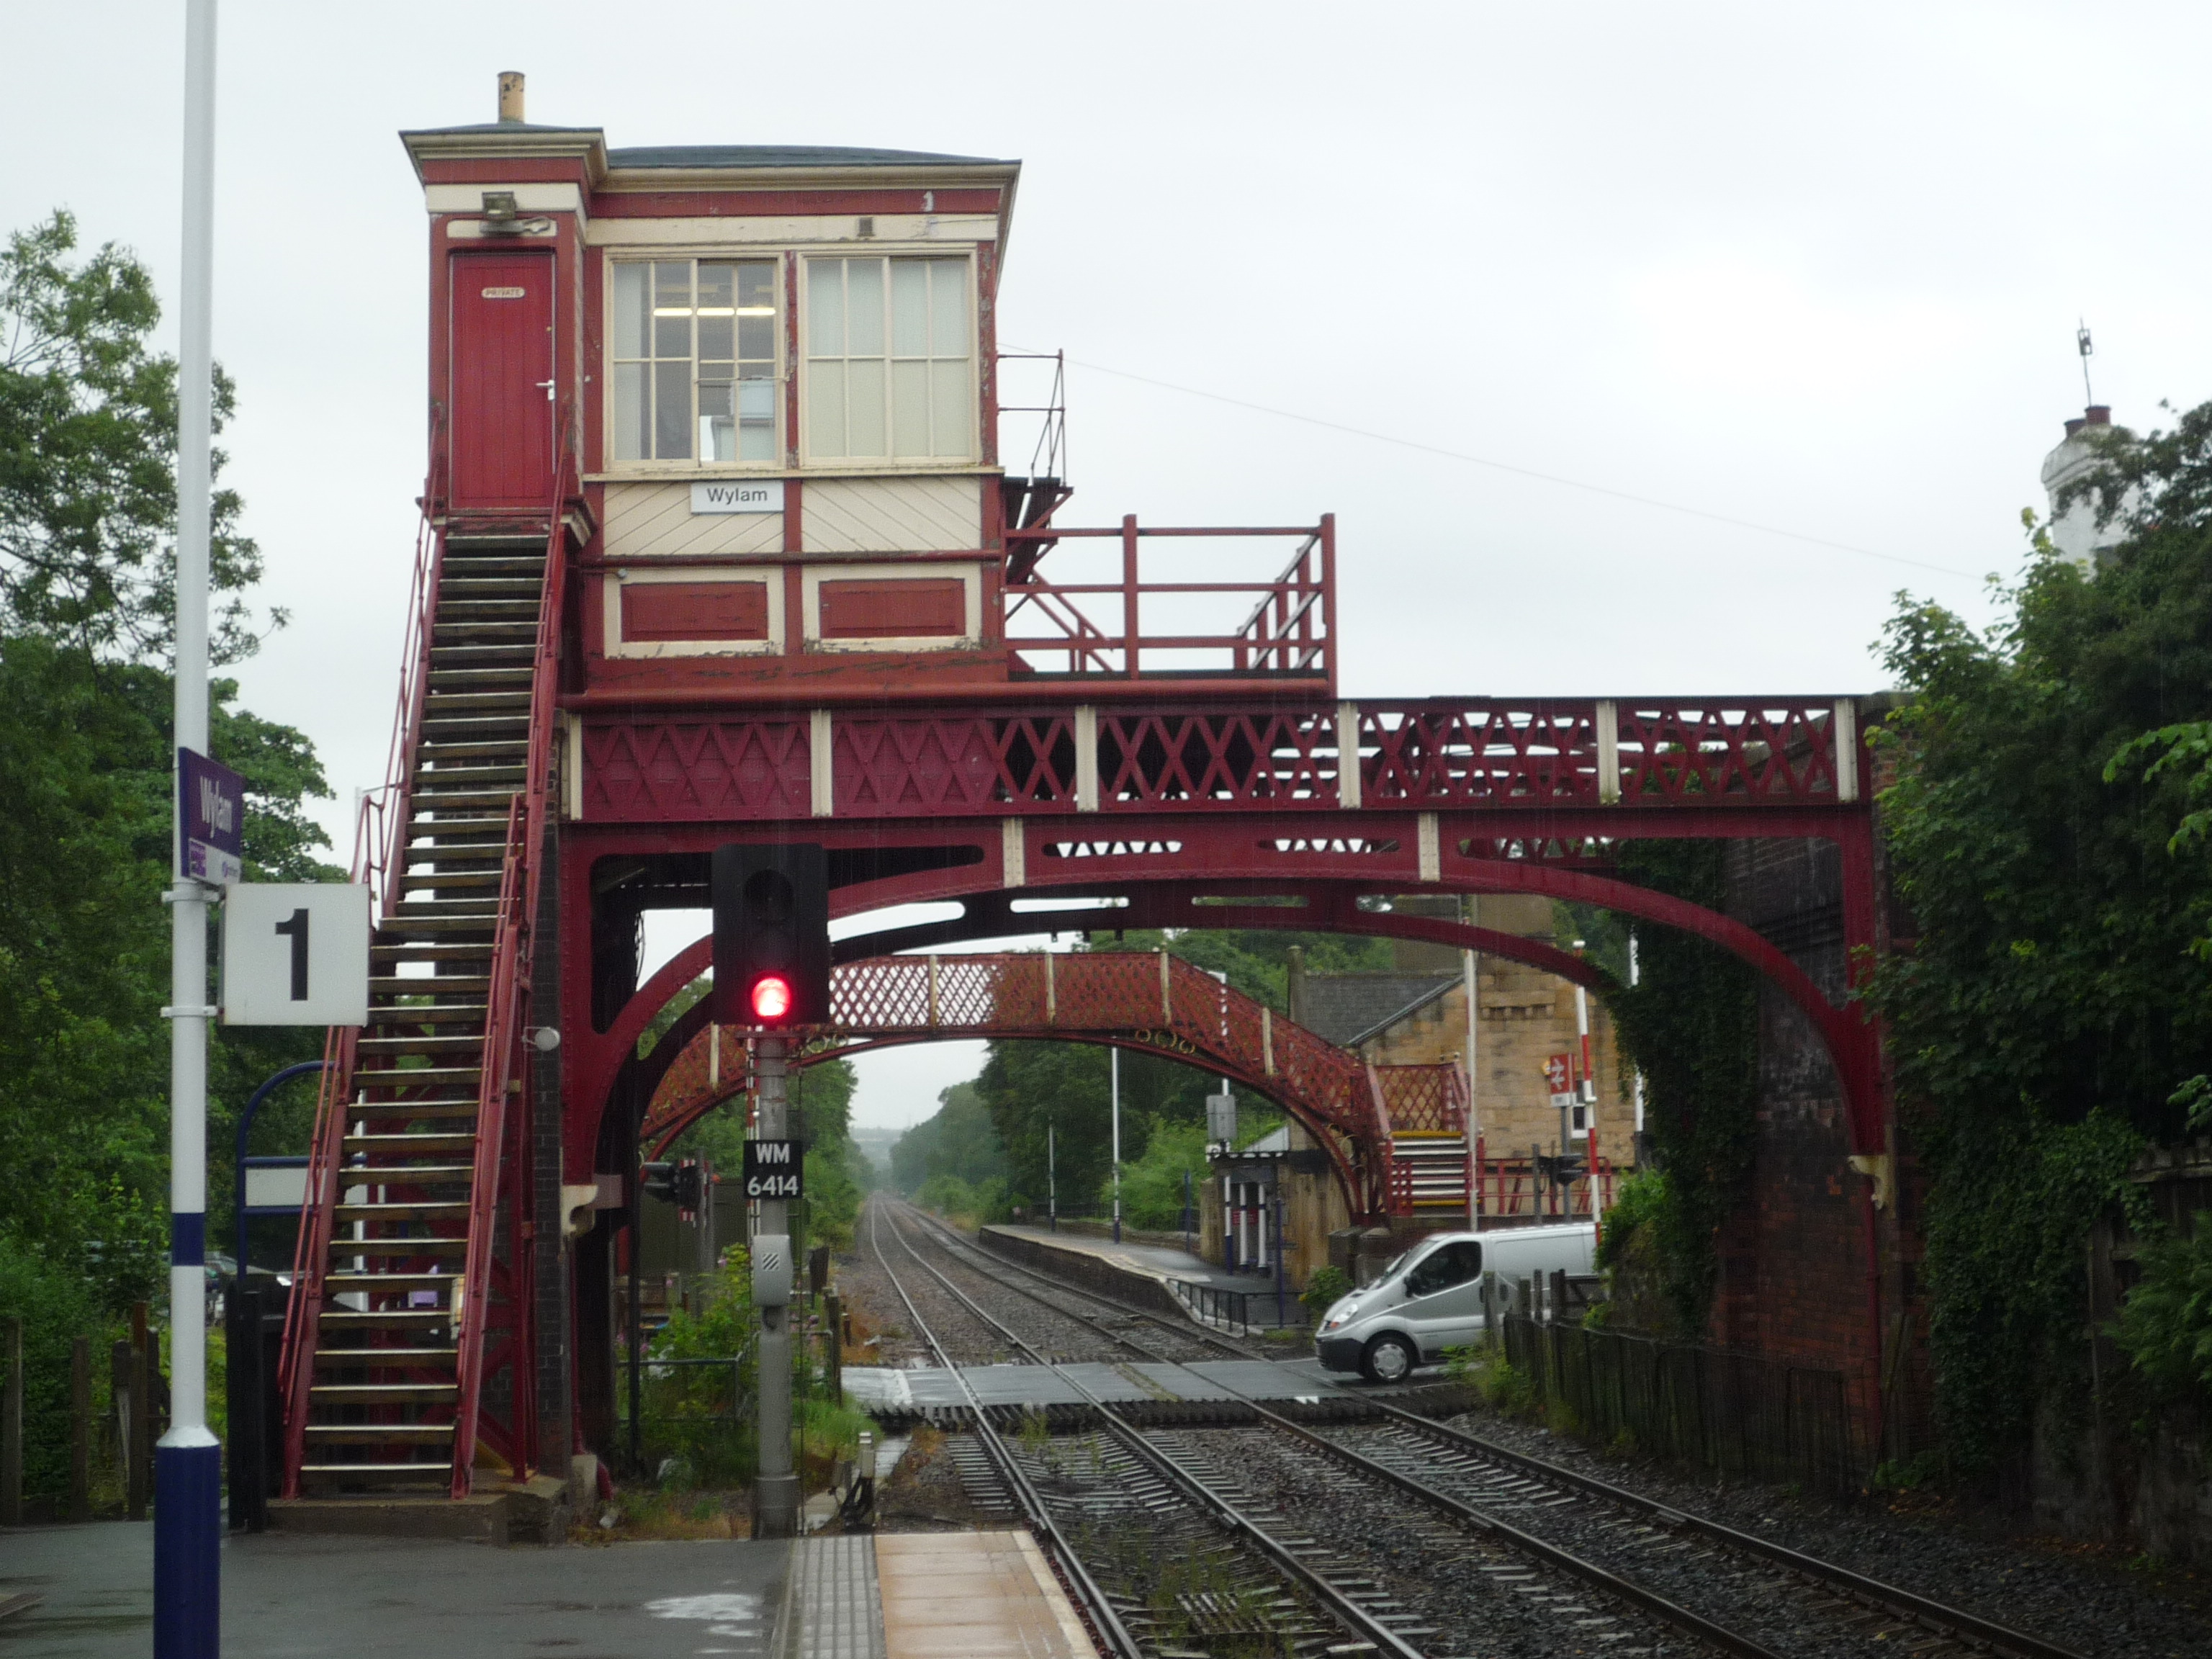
{"x": 771, "y": 1270}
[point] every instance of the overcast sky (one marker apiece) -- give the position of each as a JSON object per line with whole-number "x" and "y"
{"x": 1810, "y": 268}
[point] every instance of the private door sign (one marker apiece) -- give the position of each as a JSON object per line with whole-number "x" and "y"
{"x": 295, "y": 953}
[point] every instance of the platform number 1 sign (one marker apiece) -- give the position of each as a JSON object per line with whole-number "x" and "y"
{"x": 294, "y": 953}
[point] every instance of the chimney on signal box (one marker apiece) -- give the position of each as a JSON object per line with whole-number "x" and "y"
{"x": 510, "y": 95}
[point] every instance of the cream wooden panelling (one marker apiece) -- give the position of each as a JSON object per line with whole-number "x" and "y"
{"x": 893, "y": 515}
{"x": 650, "y": 521}
{"x": 528, "y": 198}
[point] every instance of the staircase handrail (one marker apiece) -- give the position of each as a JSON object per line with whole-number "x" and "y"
{"x": 520, "y": 870}
{"x": 400, "y": 752}
{"x": 379, "y": 822}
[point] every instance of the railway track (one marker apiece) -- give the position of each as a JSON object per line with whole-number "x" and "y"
{"x": 1163, "y": 1566}
{"x": 1532, "y": 1525}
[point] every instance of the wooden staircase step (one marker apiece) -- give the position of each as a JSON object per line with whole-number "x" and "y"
{"x": 495, "y": 703}
{"x": 469, "y": 579}
{"x": 478, "y": 906}
{"x": 401, "y": 929}
{"x": 415, "y": 1357}
{"x": 453, "y": 881}
{"x": 446, "y": 984}
{"x": 435, "y": 1210}
{"x": 518, "y": 660}
{"x": 457, "y": 683}
{"x": 379, "y": 1434}
{"x": 415, "y": 1076}
{"x": 448, "y": 731}
{"x": 375, "y": 1474}
{"x": 443, "y": 1043}
{"x": 400, "y": 1111}
{"x": 473, "y": 799}
{"x": 386, "y": 1319}
{"x": 447, "y": 1013}
{"x": 424, "y": 952}
{"x": 463, "y": 608}
{"x": 443, "y": 632}
{"x": 405, "y": 1144}
{"x": 334, "y": 1282}
{"x": 408, "y": 1175}
{"x": 383, "y": 1393}
{"x": 396, "y": 1249}
{"x": 467, "y": 831}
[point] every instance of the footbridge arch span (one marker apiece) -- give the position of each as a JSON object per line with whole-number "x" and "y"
{"x": 1149, "y": 1002}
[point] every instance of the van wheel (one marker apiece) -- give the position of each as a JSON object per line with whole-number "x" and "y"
{"x": 1388, "y": 1359}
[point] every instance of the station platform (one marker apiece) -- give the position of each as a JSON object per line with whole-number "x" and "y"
{"x": 907, "y": 1595}
{"x": 883, "y": 1392}
{"x": 1156, "y": 1264}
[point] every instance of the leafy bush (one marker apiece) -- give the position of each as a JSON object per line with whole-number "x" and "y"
{"x": 2165, "y": 1324}
{"x": 55, "y": 1306}
{"x": 1653, "y": 1272}
{"x": 1497, "y": 1381}
{"x": 1328, "y": 1284}
{"x": 969, "y": 1205}
{"x": 1152, "y": 1186}
{"x": 701, "y": 1416}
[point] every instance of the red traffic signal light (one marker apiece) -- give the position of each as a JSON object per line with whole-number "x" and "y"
{"x": 771, "y": 934}
{"x": 771, "y": 998}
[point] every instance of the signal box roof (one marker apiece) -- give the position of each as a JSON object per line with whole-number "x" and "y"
{"x": 788, "y": 155}
{"x": 520, "y": 139}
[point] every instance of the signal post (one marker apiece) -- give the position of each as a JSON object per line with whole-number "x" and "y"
{"x": 771, "y": 973}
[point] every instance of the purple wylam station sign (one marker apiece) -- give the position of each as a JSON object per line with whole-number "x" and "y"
{"x": 210, "y": 820}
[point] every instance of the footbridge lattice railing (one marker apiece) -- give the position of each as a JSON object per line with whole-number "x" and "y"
{"x": 1147, "y": 1001}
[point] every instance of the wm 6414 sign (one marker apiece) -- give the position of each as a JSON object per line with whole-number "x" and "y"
{"x": 772, "y": 1168}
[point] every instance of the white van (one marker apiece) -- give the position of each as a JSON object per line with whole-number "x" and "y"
{"x": 1431, "y": 1298}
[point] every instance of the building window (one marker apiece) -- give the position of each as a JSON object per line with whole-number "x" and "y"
{"x": 889, "y": 369}
{"x": 694, "y": 359}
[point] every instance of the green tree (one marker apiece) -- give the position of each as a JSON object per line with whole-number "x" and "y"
{"x": 1689, "y": 1026}
{"x": 957, "y": 1141}
{"x": 2053, "y": 997}
{"x": 87, "y": 439}
{"x": 87, "y": 457}
{"x": 821, "y": 1115}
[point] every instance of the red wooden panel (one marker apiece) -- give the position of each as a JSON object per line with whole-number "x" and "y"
{"x": 894, "y": 608}
{"x": 694, "y": 610}
{"x": 502, "y": 358}
{"x": 743, "y": 203}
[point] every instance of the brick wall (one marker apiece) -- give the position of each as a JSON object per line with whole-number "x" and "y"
{"x": 1794, "y": 1261}
{"x": 1527, "y": 1016}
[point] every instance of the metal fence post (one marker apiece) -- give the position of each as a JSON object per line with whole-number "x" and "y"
{"x": 80, "y": 1498}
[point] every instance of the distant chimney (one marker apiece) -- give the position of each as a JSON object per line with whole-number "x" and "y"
{"x": 2074, "y": 425}
{"x": 510, "y": 95}
{"x": 2099, "y": 413}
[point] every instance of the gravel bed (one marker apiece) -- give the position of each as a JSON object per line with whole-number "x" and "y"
{"x": 1160, "y": 1341}
{"x": 1739, "y": 1593}
{"x": 926, "y": 1493}
{"x": 1480, "y": 1598}
{"x": 2061, "y": 1592}
{"x": 1054, "y": 1334}
{"x": 875, "y": 1308}
{"x": 967, "y": 1339}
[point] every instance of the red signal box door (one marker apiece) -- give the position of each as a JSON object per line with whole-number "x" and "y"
{"x": 500, "y": 381}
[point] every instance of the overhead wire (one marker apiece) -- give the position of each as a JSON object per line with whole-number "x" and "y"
{"x": 1564, "y": 483}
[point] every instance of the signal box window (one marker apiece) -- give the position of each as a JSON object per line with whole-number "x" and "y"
{"x": 694, "y": 356}
{"x": 889, "y": 369}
